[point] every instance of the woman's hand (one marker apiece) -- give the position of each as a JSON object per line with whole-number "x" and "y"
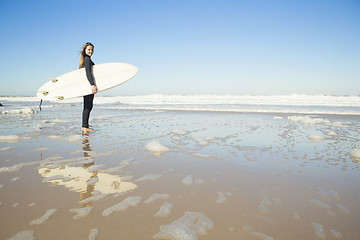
{"x": 94, "y": 89}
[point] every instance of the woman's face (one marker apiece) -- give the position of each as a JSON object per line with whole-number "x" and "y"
{"x": 89, "y": 50}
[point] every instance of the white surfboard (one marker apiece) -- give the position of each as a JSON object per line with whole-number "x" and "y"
{"x": 75, "y": 83}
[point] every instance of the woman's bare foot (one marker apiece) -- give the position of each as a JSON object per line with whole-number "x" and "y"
{"x": 86, "y": 130}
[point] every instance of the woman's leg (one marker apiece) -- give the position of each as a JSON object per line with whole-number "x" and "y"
{"x": 88, "y": 105}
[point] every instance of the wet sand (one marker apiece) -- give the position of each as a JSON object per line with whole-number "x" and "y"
{"x": 179, "y": 175}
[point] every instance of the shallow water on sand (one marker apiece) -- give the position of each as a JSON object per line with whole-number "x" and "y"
{"x": 179, "y": 175}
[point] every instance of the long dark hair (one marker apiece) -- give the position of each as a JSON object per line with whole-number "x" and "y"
{"x": 82, "y": 53}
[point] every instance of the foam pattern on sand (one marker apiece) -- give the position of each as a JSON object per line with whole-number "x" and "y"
{"x": 188, "y": 227}
{"x": 156, "y": 147}
{"x": 128, "y": 202}
{"x": 270, "y": 166}
{"x": 6, "y": 148}
{"x": 17, "y": 167}
{"x": 319, "y": 229}
{"x": 44, "y": 217}
{"x": 24, "y": 235}
{"x": 250, "y": 229}
{"x": 149, "y": 177}
{"x": 93, "y": 234}
{"x": 81, "y": 212}
{"x": 157, "y": 196}
{"x": 23, "y": 111}
{"x": 94, "y": 198}
{"x": 12, "y": 138}
{"x": 355, "y": 153}
{"x": 308, "y": 120}
{"x": 165, "y": 210}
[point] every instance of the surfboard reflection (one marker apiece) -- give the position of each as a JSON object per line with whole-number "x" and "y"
{"x": 86, "y": 179}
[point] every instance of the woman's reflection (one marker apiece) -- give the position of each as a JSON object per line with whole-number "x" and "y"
{"x": 89, "y": 161}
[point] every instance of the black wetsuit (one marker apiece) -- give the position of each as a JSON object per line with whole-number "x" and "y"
{"x": 88, "y": 99}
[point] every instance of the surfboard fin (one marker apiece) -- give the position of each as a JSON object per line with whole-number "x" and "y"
{"x": 44, "y": 93}
{"x": 54, "y": 80}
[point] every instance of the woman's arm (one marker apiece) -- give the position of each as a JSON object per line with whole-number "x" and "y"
{"x": 88, "y": 64}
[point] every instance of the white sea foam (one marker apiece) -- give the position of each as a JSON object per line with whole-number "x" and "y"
{"x": 331, "y": 133}
{"x": 179, "y": 132}
{"x": 157, "y": 196}
{"x": 335, "y": 195}
{"x": 339, "y": 124}
{"x": 188, "y": 180}
{"x": 58, "y": 177}
{"x": 355, "y": 153}
{"x": 200, "y": 141}
{"x": 81, "y": 212}
{"x": 43, "y": 218}
{"x": 315, "y": 138}
{"x": 319, "y": 230}
{"x": 330, "y": 212}
{"x": 24, "y": 235}
{"x": 336, "y": 234}
{"x": 308, "y": 120}
{"x": 40, "y": 149}
{"x": 250, "y": 157}
{"x": 199, "y": 155}
{"x": 165, "y": 210}
{"x": 343, "y": 208}
{"x": 263, "y": 207}
{"x": 221, "y": 197}
{"x": 128, "y": 202}
{"x": 320, "y": 204}
{"x": 262, "y": 236}
{"x": 74, "y": 138}
{"x": 12, "y": 138}
{"x": 188, "y": 227}
{"x": 127, "y": 162}
{"x": 25, "y": 111}
{"x": 6, "y": 148}
{"x": 15, "y": 179}
{"x": 278, "y": 117}
{"x": 93, "y": 198}
{"x": 93, "y": 180}
{"x": 93, "y": 234}
{"x": 250, "y": 229}
{"x": 322, "y": 192}
{"x": 13, "y": 168}
{"x": 156, "y": 147}
{"x": 147, "y": 177}
{"x": 54, "y": 137}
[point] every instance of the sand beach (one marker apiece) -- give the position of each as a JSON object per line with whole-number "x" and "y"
{"x": 180, "y": 169}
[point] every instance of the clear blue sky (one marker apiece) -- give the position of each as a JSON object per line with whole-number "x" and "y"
{"x": 187, "y": 47}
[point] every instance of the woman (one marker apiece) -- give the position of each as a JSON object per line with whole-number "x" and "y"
{"x": 86, "y": 62}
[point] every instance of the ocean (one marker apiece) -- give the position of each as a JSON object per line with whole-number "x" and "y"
{"x": 294, "y": 103}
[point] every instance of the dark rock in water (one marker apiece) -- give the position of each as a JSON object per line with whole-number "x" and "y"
{"x": 1, "y": 105}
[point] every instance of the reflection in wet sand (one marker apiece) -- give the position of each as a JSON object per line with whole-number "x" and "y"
{"x": 86, "y": 180}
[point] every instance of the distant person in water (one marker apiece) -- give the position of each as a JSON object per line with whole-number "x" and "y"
{"x": 86, "y": 62}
